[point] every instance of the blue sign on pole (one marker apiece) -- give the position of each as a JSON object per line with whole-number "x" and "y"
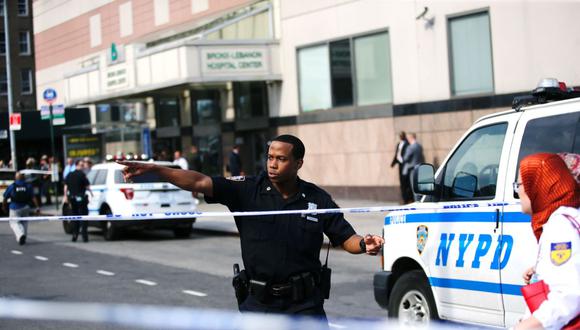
{"x": 49, "y": 95}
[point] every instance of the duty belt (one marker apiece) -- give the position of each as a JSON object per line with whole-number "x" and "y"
{"x": 298, "y": 287}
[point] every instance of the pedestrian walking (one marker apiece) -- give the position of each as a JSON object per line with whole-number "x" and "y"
{"x": 195, "y": 159}
{"x": 550, "y": 194}
{"x": 45, "y": 181}
{"x": 17, "y": 198}
{"x": 283, "y": 273}
{"x": 75, "y": 194}
{"x": 398, "y": 161}
{"x": 235, "y": 162}
{"x": 179, "y": 160}
{"x": 413, "y": 156}
{"x": 68, "y": 168}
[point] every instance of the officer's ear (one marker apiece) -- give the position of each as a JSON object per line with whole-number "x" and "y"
{"x": 299, "y": 163}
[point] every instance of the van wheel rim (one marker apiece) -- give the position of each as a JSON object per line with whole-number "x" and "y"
{"x": 413, "y": 308}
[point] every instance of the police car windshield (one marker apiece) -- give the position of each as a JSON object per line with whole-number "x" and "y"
{"x": 145, "y": 178}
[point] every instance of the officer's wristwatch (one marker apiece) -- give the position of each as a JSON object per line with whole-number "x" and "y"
{"x": 363, "y": 245}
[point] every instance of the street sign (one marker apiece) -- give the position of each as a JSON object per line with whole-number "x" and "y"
{"x": 58, "y": 117}
{"x": 15, "y": 121}
{"x": 49, "y": 95}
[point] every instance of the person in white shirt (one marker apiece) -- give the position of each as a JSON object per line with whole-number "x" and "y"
{"x": 551, "y": 195}
{"x": 180, "y": 161}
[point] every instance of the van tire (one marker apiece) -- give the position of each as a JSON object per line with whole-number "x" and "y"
{"x": 412, "y": 295}
{"x": 183, "y": 232}
{"x": 66, "y": 224}
{"x": 110, "y": 230}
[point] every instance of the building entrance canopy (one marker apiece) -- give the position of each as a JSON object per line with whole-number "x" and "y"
{"x": 177, "y": 63}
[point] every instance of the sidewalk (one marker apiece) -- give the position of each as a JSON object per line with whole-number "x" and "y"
{"x": 363, "y": 223}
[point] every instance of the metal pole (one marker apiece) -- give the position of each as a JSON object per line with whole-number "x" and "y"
{"x": 53, "y": 156}
{"x": 9, "y": 85}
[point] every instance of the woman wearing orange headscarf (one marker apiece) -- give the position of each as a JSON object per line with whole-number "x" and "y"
{"x": 551, "y": 195}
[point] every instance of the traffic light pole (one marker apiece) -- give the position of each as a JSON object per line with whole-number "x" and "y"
{"x": 53, "y": 179}
{"x": 9, "y": 86}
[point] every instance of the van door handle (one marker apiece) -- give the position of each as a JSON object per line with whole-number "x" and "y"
{"x": 496, "y": 220}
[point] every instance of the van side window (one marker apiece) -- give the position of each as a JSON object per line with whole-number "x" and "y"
{"x": 551, "y": 134}
{"x": 471, "y": 173}
{"x": 119, "y": 178}
{"x": 100, "y": 177}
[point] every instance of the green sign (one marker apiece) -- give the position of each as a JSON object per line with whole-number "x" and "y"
{"x": 114, "y": 53}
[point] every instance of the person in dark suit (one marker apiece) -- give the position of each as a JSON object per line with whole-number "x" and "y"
{"x": 398, "y": 160}
{"x": 413, "y": 156}
{"x": 235, "y": 162}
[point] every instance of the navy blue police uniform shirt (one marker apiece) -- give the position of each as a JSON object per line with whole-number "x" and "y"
{"x": 275, "y": 247}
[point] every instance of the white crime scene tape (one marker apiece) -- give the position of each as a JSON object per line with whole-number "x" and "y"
{"x": 197, "y": 214}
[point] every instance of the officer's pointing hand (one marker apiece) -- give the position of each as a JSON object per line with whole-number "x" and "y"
{"x": 134, "y": 169}
{"x": 373, "y": 243}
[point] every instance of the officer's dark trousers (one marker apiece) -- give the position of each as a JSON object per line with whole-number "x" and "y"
{"x": 312, "y": 307}
{"x": 79, "y": 208}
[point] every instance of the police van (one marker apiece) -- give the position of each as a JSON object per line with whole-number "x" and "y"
{"x": 146, "y": 194}
{"x": 459, "y": 253}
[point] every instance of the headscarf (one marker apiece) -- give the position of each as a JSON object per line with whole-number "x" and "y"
{"x": 549, "y": 185}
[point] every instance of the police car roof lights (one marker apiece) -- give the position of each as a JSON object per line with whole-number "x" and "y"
{"x": 549, "y": 89}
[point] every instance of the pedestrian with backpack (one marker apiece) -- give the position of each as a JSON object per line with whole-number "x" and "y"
{"x": 21, "y": 195}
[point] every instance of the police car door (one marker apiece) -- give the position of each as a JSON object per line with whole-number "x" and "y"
{"x": 549, "y": 128}
{"x": 465, "y": 265}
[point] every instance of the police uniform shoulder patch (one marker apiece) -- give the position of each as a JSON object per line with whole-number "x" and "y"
{"x": 560, "y": 252}
{"x": 236, "y": 178}
{"x": 422, "y": 235}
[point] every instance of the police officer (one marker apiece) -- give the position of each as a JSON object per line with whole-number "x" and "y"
{"x": 20, "y": 195}
{"x": 280, "y": 252}
{"x": 76, "y": 186}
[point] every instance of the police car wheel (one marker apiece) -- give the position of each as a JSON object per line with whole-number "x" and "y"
{"x": 66, "y": 225}
{"x": 110, "y": 230}
{"x": 411, "y": 300}
{"x": 183, "y": 232}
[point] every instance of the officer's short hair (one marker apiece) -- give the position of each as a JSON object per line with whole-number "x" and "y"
{"x": 298, "y": 149}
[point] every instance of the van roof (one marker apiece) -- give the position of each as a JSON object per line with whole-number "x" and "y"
{"x": 528, "y": 108}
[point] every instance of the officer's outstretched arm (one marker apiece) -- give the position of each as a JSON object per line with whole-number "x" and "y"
{"x": 184, "y": 179}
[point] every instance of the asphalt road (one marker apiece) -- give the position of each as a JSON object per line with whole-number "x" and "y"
{"x": 152, "y": 268}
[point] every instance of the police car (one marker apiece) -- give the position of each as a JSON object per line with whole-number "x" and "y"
{"x": 146, "y": 194}
{"x": 460, "y": 253}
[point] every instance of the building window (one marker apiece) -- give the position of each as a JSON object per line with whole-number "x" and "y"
{"x": 3, "y": 83}
{"x": 22, "y": 7}
{"x": 341, "y": 73}
{"x": 314, "y": 76}
{"x": 2, "y": 43}
{"x": 373, "y": 69}
{"x": 329, "y": 77}
{"x": 250, "y": 99}
{"x": 2, "y": 8}
{"x": 126, "y": 19}
{"x": 161, "y": 12}
{"x": 95, "y": 30}
{"x": 24, "y": 42}
{"x": 470, "y": 54}
{"x": 26, "y": 81}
